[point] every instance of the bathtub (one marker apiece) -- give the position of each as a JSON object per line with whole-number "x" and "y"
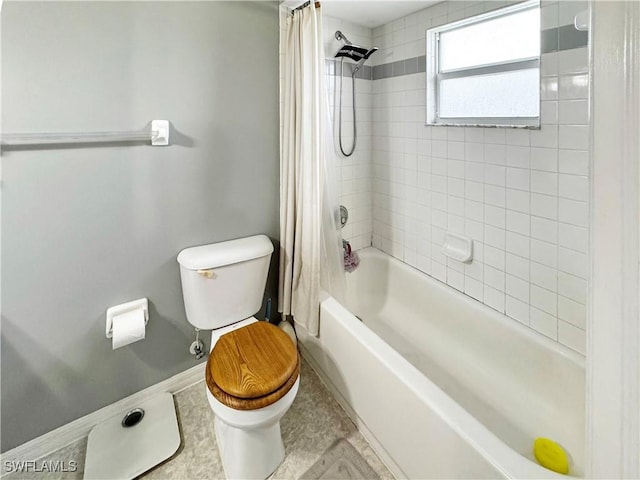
{"x": 441, "y": 385}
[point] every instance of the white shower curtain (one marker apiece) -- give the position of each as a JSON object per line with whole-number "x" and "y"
{"x": 310, "y": 256}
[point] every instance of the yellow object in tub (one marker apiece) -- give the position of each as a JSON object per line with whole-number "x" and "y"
{"x": 551, "y": 455}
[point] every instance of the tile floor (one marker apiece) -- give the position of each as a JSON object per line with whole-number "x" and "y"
{"x": 313, "y": 423}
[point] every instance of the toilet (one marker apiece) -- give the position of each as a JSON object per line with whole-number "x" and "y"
{"x": 252, "y": 373}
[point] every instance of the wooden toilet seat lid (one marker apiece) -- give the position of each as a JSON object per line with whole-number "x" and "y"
{"x": 252, "y": 403}
{"x": 252, "y": 361}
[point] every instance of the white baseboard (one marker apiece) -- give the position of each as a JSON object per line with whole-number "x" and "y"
{"x": 72, "y": 432}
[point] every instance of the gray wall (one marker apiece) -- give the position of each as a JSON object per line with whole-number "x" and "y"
{"x": 87, "y": 228}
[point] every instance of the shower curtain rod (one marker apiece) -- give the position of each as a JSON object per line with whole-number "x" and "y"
{"x": 158, "y": 135}
{"x": 305, "y": 4}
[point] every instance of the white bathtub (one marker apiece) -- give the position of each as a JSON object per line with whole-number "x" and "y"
{"x": 443, "y": 386}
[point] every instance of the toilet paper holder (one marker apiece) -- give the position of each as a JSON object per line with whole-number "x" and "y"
{"x": 141, "y": 304}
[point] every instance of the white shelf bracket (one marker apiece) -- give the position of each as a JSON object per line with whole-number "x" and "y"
{"x": 160, "y": 133}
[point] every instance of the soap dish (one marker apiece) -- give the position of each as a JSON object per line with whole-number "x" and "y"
{"x": 458, "y": 247}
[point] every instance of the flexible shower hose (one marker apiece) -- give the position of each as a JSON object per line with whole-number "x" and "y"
{"x": 355, "y": 129}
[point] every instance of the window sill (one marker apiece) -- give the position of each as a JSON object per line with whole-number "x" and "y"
{"x": 483, "y": 125}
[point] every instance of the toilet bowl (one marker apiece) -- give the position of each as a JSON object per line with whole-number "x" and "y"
{"x": 249, "y": 440}
{"x": 252, "y": 372}
{"x": 253, "y": 447}
{"x": 248, "y": 427}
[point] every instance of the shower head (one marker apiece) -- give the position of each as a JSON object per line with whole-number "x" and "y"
{"x": 355, "y": 52}
{"x": 360, "y": 63}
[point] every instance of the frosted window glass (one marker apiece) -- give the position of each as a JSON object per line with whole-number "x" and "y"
{"x": 506, "y": 94}
{"x": 503, "y": 39}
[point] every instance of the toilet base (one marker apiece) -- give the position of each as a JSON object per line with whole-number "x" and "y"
{"x": 249, "y": 454}
{"x": 249, "y": 441}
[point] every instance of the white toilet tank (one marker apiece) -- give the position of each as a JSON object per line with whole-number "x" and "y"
{"x": 223, "y": 283}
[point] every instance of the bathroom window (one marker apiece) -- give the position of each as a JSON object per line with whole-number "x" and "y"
{"x": 485, "y": 70}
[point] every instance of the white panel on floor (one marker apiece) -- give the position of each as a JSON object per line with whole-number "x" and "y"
{"x": 114, "y": 451}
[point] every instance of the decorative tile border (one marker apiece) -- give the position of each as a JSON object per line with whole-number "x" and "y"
{"x": 401, "y": 67}
{"x": 563, "y": 38}
{"x": 332, "y": 67}
{"x": 552, "y": 40}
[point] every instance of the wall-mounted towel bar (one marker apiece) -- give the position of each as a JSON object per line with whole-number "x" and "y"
{"x": 158, "y": 135}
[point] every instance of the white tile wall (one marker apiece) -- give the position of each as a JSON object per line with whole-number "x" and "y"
{"x": 522, "y": 195}
{"x": 355, "y": 171}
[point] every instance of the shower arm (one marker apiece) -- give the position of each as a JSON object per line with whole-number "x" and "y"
{"x": 342, "y": 37}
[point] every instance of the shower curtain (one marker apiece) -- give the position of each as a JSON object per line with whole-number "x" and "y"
{"x": 310, "y": 242}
